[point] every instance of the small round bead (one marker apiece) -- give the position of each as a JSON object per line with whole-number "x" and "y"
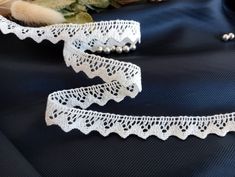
{"x": 225, "y": 37}
{"x": 133, "y": 47}
{"x": 99, "y": 49}
{"x": 231, "y": 35}
{"x": 113, "y": 48}
{"x": 119, "y": 49}
{"x": 107, "y": 50}
{"x": 126, "y": 49}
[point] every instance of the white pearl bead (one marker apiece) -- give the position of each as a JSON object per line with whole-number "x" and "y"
{"x": 119, "y": 49}
{"x": 133, "y": 47}
{"x": 99, "y": 49}
{"x": 126, "y": 49}
{"x": 107, "y": 50}
{"x": 226, "y": 37}
{"x": 231, "y": 35}
{"x": 113, "y": 48}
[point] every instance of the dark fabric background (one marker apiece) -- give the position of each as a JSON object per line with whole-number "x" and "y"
{"x": 186, "y": 69}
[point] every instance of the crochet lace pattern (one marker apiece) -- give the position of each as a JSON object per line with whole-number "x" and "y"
{"x": 67, "y": 108}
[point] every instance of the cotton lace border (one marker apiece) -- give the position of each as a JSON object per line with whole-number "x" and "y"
{"x": 67, "y": 108}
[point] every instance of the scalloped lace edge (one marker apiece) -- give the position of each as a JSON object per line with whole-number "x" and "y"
{"x": 66, "y": 108}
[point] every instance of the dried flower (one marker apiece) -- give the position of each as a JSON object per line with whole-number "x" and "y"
{"x": 58, "y": 11}
{"x": 32, "y": 13}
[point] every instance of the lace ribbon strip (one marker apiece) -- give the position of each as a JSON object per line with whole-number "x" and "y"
{"x": 67, "y": 108}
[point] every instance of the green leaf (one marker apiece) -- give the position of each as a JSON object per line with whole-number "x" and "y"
{"x": 78, "y": 7}
{"x": 119, "y": 3}
{"x": 96, "y": 3}
{"x": 96, "y": 9}
{"x": 67, "y": 13}
{"x": 115, "y": 4}
{"x": 54, "y": 4}
{"x": 80, "y": 18}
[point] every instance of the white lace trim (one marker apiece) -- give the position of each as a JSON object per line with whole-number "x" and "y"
{"x": 66, "y": 108}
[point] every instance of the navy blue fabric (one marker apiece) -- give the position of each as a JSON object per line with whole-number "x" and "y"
{"x": 186, "y": 69}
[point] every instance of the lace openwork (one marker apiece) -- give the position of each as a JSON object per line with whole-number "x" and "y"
{"x": 67, "y": 108}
